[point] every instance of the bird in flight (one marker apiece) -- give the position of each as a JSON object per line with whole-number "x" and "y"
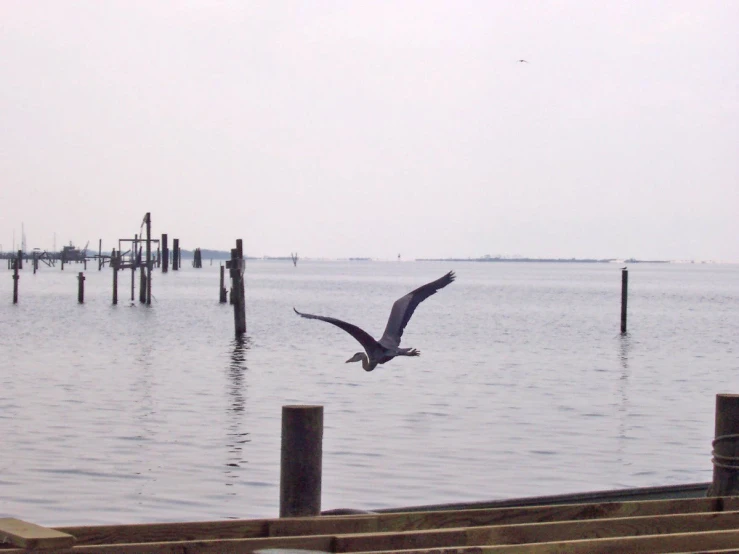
{"x": 522, "y": 61}
{"x": 388, "y": 347}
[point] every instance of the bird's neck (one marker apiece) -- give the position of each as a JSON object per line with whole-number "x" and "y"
{"x": 366, "y": 364}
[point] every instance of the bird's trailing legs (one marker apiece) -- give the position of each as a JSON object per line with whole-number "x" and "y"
{"x": 409, "y": 352}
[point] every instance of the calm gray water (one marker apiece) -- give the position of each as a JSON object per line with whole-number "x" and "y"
{"x": 117, "y": 414}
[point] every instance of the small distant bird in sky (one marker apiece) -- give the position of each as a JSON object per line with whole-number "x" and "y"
{"x": 522, "y": 61}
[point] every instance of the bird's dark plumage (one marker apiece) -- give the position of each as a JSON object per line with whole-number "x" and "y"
{"x": 388, "y": 347}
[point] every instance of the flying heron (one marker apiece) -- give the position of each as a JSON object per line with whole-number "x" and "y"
{"x": 384, "y": 350}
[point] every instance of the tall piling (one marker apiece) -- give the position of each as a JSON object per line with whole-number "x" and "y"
{"x": 222, "y": 290}
{"x": 134, "y": 261}
{"x": 81, "y": 288}
{"x": 624, "y": 297}
{"x": 114, "y": 264}
{"x": 100, "y": 254}
{"x": 15, "y": 282}
{"x": 726, "y": 447}
{"x": 301, "y": 461}
{"x": 175, "y": 254}
{"x": 35, "y": 263}
{"x": 20, "y": 259}
{"x": 165, "y": 254}
{"x": 148, "y": 259}
{"x": 236, "y": 266}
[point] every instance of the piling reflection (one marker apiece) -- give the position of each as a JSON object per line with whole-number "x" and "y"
{"x": 624, "y": 349}
{"x": 236, "y": 436}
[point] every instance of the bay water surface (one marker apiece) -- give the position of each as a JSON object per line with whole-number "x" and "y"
{"x": 524, "y": 386}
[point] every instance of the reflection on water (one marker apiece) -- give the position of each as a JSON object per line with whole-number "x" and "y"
{"x": 236, "y": 437}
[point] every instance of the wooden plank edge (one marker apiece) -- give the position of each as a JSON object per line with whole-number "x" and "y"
{"x": 29, "y": 535}
{"x": 538, "y": 532}
{"x": 708, "y": 541}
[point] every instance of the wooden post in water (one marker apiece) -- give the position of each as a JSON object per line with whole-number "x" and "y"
{"x": 15, "y": 282}
{"x": 242, "y": 292}
{"x": 175, "y": 254}
{"x": 100, "y": 254}
{"x": 134, "y": 259}
{"x": 148, "y": 259}
{"x": 237, "y": 299}
{"x": 300, "y": 461}
{"x": 20, "y": 259}
{"x": 142, "y": 278}
{"x": 114, "y": 265}
{"x": 81, "y": 288}
{"x": 726, "y": 447}
{"x": 222, "y": 290}
{"x": 35, "y": 263}
{"x": 624, "y": 297}
{"x": 165, "y": 254}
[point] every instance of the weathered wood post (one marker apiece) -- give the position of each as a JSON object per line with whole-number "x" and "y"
{"x": 35, "y": 263}
{"x": 175, "y": 254}
{"x": 142, "y": 277}
{"x": 134, "y": 261}
{"x": 81, "y": 288}
{"x": 624, "y": 297}
{"x": 165, "y": 254}
{"x": 222, "y": 290}
{"x": 114, "y": 265}
{"x": 15, "y": 282}
{"x": 237, "y": 297}
{"x": 301, "y": 460}
{"x": 20, "y": 259}
{"x": 726, "y": 447}
{"x": 100, "y": 254}
{"x": 147, "y": 292}
{"x": 242, "y": 292}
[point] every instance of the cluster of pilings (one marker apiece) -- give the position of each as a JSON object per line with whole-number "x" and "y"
{"x": 140, "y": 256}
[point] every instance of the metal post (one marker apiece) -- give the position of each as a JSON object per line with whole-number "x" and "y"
{"x": 301, "y": 460}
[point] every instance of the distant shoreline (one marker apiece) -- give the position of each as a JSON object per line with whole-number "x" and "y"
{"x": 547, "y": 260}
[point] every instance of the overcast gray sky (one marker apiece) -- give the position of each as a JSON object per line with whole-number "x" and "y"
{"x": 372, "y": 128}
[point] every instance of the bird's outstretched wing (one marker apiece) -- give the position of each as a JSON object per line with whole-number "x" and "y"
{"x": 404, "y": 307}
{"x": 370, "y": 345}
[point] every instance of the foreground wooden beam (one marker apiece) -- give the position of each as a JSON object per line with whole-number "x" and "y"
{"x": 29, "y": 535}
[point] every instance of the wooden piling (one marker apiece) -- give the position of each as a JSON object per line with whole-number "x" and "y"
{"x": 142, "y": 286}
{"x": 222, "y": 290}
{"x": 165, "y": 254}
{"x": 134, "y": 260}
{"x": 726, "y": 447}
{"x": 114, "y": 264}
{"x": 301, "y": 459}
{"x": 175, "y": 254}
{"x": 15, "y": 282}
{"x": 20, "y": 259}
{"x": 81, "y": 288}
{"x": 624, "y": 297}
{"x": 147, "y": 293}
{"x": 237, "y": 289}
{"x": 100, "y": 254}
{"x": 35, "y": 263}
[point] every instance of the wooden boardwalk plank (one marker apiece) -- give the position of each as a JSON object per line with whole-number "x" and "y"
{"x": 407, "y": 521}
{"x": 29, "y": 535}
{"x": 678, "y": 543}
{"x": 538, "y": 532}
